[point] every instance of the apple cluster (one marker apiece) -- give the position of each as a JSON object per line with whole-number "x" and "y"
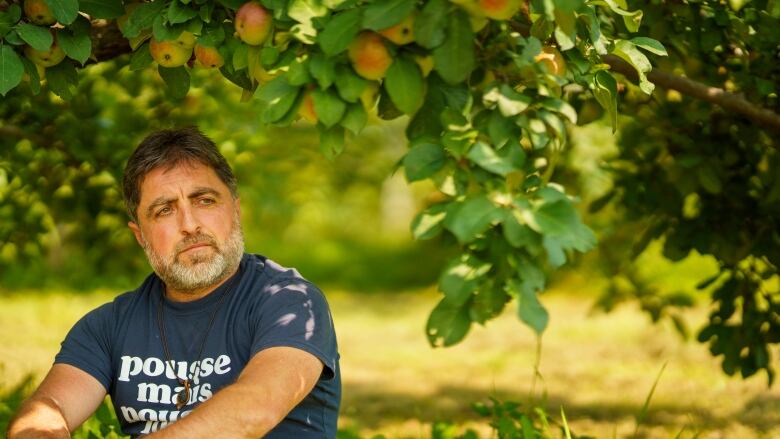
{"x": 38, "y": 12}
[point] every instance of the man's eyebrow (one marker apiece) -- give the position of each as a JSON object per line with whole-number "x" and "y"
{"x": 199, "y": 191}
{"x": 159, "y": 201}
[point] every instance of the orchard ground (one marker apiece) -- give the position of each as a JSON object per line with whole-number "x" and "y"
{"x": 599, "y": 367}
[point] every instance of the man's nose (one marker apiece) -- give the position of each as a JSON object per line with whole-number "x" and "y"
{"x": 188, "y": 221}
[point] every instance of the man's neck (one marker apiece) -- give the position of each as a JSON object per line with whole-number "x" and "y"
{"x": 191, "y": 295}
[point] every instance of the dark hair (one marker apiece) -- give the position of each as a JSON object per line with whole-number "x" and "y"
{"x": 168, "y": 148}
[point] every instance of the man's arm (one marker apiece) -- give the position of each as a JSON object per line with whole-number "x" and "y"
{"x": 63, "y": 401}
{"x": 273, "y": 382}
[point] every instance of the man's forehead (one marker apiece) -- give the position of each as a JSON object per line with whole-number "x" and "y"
{"x": 183, "y": 175}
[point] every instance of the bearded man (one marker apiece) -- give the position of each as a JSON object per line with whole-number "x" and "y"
{"x": 214, "y": 343}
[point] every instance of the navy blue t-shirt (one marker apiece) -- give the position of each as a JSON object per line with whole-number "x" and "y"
{"x": 267, "y": 305}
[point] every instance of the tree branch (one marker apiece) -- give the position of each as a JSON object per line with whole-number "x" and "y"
{"x": 729, "y": 101}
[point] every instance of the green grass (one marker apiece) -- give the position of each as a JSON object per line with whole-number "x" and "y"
{"x": 599, "y": 368}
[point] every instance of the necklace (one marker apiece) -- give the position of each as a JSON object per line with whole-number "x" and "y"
{"x": 183, "y": 396}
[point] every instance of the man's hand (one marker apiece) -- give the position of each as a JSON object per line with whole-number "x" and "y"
{"x": 63, "y": 401}
{"x": 273, "y": 382}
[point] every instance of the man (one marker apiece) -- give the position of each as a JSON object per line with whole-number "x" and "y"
{"x": 215, "y": 343}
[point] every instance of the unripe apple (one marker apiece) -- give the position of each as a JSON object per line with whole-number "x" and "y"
{"x": 169, "y": 53}
{"x": 552, "y": 59}
{"x": 370, "y": 96}
{"x": 186, "y": 40}
{"x": 306, "y": 110}
{"x": 369, "y": 55}
{"x": 47, "y": 58}
{"x": 253, "y": 23}
{"x": 500, "y": 9}
{"x": 38, "y": 12}
{"x": 401, "y": 33}
{"x": 209, "y": 57}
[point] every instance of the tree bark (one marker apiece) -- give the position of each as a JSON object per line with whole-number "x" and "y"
{"x": 729, "y": 101}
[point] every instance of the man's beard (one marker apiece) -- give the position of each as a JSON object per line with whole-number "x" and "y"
{"x": 201, "y": 271}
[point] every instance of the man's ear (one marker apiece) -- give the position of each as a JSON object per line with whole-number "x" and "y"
{"x": 136, "y": 231}
{"x": 238, "y": 206}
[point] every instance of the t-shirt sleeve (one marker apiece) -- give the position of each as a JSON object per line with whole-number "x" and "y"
{"x": 297, "y": 315}
{"x": 86, "y": 346}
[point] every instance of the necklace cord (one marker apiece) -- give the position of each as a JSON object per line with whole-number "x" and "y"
{"x": 161, "y": 326}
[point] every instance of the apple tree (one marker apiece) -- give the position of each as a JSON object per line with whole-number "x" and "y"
{"x": 489, "y": 88}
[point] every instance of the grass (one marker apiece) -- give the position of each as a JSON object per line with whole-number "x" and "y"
{"x": 599, "y": 368}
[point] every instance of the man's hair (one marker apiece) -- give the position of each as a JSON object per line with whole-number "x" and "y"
{"x": 168, "y": 148}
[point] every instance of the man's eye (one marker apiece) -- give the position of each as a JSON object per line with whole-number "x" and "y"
{"x": 164, "y": 211}
{"x": 206, "y": 201}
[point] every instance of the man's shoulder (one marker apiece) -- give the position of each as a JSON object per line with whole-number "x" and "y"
{"x": 273, "y": 277}
{"x": 127, "y": 299}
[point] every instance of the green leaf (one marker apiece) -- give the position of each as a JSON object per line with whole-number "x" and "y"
{"x": 529, "y": 309}
{"x": 304, "y": 12}
{"x": 62, "y": 80}
{"x": 163, "y": 31}
{"x": 382, "y": 14}
{"x": 322, "y": 69}
{"x": 65, "y": 11}
{"x": 568, "y": 5}
{"x": 489, "y": 300}
{"x": 349, "y": 85}
{"x": 509, "y": 102}
{"x": 650, "y": 45}
{"x": 487, "y": 158}
{"x": 340, "y": 31}
{"x": 405, "y": 85}
{"x": 39, "y": 38}
{"x": 298, "y": 72}
{"x": 142, "y": 18}
{"x": 517, "y": 234}
{"x": 430, "y": 24}
{"x": 454, "y": 59}
{"x": 105, "y": 9}
{"x": 328, "y": 106}
{"x": 355, "y": 118}
{"x": 461, "y": 278}
{"x": 180, "y": 13}
{"x": 32, "y": 72}
{"x": 562, "y": 107}
{"x": 240, "y": 56}
{"x": 423, "y": 160}
{"x": 177, "y": 79}
{"x": 629, "y": 52}
{"x": 605, "y": 91}
{"x": 331, "y": 141}
{"x": 278, "y": 96}
{"x": 76, "y": 42}
{"x": 447, "y": 324}
{"x": 472, "y": 217}
{"x": 386, "y": 109}
{"x": 709, "y": 178}
{"x": 565, "y": 29}
{"x": 428, "y": 223}
{"x": 11, "y": 69}
{"x": 555, "y": 218}
{"x": 632, "y": 20}
{"x": 141, "y": 58}
{"x": 9, "y": 18}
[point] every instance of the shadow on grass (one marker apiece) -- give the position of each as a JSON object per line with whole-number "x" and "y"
{"x": 374, "y": 407}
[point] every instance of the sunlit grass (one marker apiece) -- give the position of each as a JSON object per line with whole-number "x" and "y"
{"x": 599, "y": 367}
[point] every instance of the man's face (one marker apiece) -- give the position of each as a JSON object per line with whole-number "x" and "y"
{"x": 188, "y": 225}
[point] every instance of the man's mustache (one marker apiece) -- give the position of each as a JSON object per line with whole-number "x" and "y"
{"x": 189, "y": 241}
